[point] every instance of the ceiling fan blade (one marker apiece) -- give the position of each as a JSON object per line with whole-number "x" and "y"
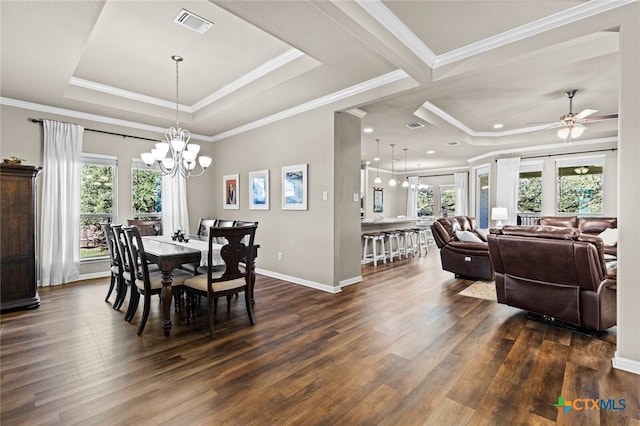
{"x": 538, "y": 123}
{"x": 585, "y": 113}
{"x": 550, "y": 126}
{"x": 600, "y": 118}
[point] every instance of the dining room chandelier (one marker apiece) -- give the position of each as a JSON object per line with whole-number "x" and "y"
{"x": 177, "y": 155}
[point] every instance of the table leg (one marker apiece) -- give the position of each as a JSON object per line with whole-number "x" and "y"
{"x": 165, "y": 295}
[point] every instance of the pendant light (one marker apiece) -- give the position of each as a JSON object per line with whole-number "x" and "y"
{"x": 377, "y": 159}
{"x": 392, "y": 182}
{"x": 405, "y": 184}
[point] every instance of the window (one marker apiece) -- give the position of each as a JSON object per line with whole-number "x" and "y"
{"x": 146, "y": 191}
{"x": 447, "y": 200}
{"x": 580, "y": 187}
{"x": 97, "y": 203}
{"x": 530, "y": 192}
{"x": 425, "y": 200}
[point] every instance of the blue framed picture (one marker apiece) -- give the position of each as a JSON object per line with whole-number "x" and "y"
{"x": 259, "y": 190}
{"x": 294, "y": 187}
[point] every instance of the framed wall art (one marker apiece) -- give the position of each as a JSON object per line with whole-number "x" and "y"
{"x": 377, "y": 200}
{"x": 230, "y": 188}
{"x": 294, "y": 187}
{"x": 259, "y": 190}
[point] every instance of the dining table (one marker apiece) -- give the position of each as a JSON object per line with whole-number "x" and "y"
{"x": 169, "y": 255}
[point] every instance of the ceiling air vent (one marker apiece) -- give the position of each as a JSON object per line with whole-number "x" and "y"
{"x": 192, "y": 21}
{"x": 414, "y": 126}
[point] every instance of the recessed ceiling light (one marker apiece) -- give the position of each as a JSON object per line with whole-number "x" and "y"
{"x": 498, "y": 126}
{"x": 431, "y": 151}
{"x": 367, "y": 130}
{"x": 453, "y": 143}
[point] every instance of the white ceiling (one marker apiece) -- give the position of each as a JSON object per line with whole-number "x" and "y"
{"x": 458, "y": 67}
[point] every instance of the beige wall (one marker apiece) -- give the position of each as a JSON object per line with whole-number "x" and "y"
{"x": 628, "y": 349}
{"x": 347, "y": 196}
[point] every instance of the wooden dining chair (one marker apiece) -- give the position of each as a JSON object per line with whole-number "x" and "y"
{"x": 203, "y": 227}
{"x": 115, "y": 267}
{"x": 121, "y": 250}
{"x": 147, "y": 227}
{"x": 145, "y": 284}
{"x": 233, "y": 279}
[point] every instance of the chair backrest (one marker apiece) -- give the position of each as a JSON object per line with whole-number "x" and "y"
{"x": 147, "y": 227}
{"x": 119, "y": 244}
{"x": 222, "y": 223}
{"x": 548, "y": 254}
{"x": 237, "y": 249}
{"x": 113, "y": 251}
{"x": 204, "y": 225}
{"x": 137, "y": 259}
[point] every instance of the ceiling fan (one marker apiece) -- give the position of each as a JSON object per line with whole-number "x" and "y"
{"x": 571, "y": 125}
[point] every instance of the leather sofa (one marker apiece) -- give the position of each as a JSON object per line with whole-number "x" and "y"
{"x": 558, "y": 272}
{"x": 588, "y": 225}
{"x": 463, "y": 258}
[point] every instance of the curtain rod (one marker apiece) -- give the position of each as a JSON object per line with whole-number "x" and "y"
{"x": 565, "y": 153}
{"x": 429, "y": 176}
{"x": 33, "y": 120}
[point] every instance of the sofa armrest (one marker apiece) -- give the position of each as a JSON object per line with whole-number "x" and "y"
{"x": 473, "y": 249}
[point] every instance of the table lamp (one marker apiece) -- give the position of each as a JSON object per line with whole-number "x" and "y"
{"x": 499, "y": 214}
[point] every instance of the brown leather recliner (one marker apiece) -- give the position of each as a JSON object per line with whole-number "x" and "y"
{"x": 555, "y": 271}
{"x": 588, "y": 225}
{"x": 465, "y": 259}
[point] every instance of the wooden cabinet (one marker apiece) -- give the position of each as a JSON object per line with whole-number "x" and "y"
{"x": 18, "y": 237}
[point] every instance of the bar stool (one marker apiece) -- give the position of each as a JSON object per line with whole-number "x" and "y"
{"x": 393, "y": 239}
{"x": 376, "y": 239}
{"x": 407, "y": 245}
{"x": 421, "y": 239}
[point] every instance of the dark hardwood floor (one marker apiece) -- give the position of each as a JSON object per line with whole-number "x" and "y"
{"x": 400, "y": 348}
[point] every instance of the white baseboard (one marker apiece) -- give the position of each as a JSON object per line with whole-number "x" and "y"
{"x": 625, "y": 364}
{"x": 350, "y": 281}
{"x": 101, "y": 274}
{"x": 301, "y": 281}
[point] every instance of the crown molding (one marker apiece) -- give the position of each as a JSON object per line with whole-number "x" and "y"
{"x": 253, "y": 75}
{"x": 395, "y": 26}
{"x": 356, "y": 89}
{"x": 89, "y": 117}
{"x": 371, "y": 84}
{"x": 559, "y": 19}
{"x": 357, "y": 112}
{"x": 114, "y": 91}
{"x": 538, "y": 148}
{"x": 460, "y": 126}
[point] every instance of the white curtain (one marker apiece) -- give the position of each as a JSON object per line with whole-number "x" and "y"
{"x": 462, "y": 193}
{"x": 175, "y": 214}
{"x": 60, "y": 219}
{"x": 508, "y": 178}
{"x": 412, "y": 197}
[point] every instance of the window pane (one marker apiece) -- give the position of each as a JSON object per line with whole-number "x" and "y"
{"x": 146, "y": 192}
{"x": 96, "y": 207}
{"x": 425, "y": 201}
{"x": 93, "y": 242}
{"x": 530, "y": 192}
{"x": 448, "y": 201}
{"x": 580, "y": 190}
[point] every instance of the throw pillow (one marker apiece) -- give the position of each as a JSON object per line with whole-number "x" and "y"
{"x": 609, "y": 237}
{"x": 482, "y": 233}
{"x": 467, "y": 237}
